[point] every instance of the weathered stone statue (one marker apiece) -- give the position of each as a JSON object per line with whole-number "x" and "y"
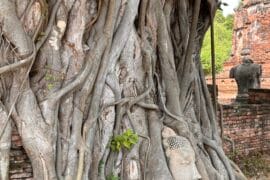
{"x": 247, "y": 76}
{"x": 180, "y": 155}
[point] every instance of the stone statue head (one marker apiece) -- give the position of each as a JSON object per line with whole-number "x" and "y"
{"x": 180, "y": 155}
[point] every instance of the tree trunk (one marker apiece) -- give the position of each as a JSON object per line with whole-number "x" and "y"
{"x": 76, "y": 75}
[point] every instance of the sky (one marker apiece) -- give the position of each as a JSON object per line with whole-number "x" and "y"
{"x": 231, "y": 5}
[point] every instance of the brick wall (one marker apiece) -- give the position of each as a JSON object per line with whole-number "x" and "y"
{"x": 20, "y": 166}
{"x": 259, "y": 96}
{"x": 248, "y": 125}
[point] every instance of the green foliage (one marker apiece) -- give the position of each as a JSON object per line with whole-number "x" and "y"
{"x": 53, "y": 77}
{"x": 50, "y": 81}
{"x": 223, "y": 27}
{"x": 100, "y": 166}
{"x": 125, "y": 140}
{"x": 112, "y": 177}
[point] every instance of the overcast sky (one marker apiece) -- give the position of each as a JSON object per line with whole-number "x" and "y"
{"x": 231, "y": 5}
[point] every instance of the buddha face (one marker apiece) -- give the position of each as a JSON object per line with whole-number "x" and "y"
{"x": 180, "y": 155}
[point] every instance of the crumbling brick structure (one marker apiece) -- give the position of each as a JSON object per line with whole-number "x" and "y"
{"x": 20, "y": 165}
{"x": 248, "y": 125}
{"x": 251, "y": 38}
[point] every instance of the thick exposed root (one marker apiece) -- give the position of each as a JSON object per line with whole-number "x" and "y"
{"x": 94, "y": 69}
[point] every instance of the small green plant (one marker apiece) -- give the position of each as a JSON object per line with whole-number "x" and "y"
{"x": 125, "y": 140}
{"x": 50, "y": 81}
{"x": 100, "y": 166}
{"x": 112, "y": 177}
{"x": 49, "y": 77}
{"x": 50, "y": 86}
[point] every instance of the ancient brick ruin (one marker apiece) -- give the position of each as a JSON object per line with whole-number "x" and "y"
{"x": 20, "y": 165}
{"x": 251, "y": 38}
{"x": 248, "y": 124}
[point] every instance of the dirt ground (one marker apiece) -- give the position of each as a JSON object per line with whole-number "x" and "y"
{"x": 263, "y": 175}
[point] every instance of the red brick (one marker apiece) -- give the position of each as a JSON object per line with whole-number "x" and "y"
{"x": 251, "y": 23}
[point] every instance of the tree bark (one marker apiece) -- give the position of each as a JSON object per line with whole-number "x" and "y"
{"x": 75, "y": 74}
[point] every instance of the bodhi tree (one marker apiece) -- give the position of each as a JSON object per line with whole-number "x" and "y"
{"x": 109, "y": 89}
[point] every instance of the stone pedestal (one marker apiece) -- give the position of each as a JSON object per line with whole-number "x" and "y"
{"x": 243, "y": 98}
